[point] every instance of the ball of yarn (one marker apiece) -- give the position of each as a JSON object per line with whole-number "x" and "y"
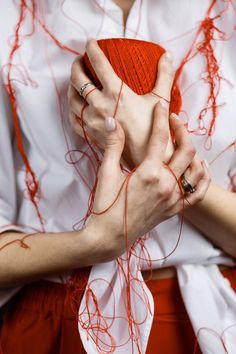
{"x": 136, "y": 63}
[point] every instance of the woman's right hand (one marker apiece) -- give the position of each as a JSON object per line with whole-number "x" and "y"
{"x": 153, "y": 194}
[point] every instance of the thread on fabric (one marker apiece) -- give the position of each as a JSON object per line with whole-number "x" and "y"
{"x": 209, "y": 33}
{"x": 213, "y": 79}
{"x": 30, "y": 177}
{"x": 136, "y": 63}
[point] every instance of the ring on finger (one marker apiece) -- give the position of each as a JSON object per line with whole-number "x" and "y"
{"x": 187, "y": 187}
{"x": 83, "y": 88}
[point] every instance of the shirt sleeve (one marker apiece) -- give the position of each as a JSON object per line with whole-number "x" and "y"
{"x": 8, "y": 203}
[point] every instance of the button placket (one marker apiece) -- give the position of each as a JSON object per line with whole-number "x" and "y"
{"x": 113, "y": 21}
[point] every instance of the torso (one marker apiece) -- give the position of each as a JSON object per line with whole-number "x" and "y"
{"x": 49, "y": 72}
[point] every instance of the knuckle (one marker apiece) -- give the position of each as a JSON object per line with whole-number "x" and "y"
{"x": 198, "y": 172}
{"x": 93, "y": 125}
{"x": 113, "y": 92}
{"x": 200, "y": 197}
{"x": 167, "y": 191}
{"x": 100, "y": 108}
{"x": 190, "y": 150}
{"x": 150, "y": 176}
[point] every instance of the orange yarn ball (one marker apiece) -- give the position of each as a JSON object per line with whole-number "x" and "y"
{"x": 135, "y": 62}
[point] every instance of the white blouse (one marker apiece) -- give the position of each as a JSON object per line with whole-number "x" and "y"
{"x": 40, "y": 76}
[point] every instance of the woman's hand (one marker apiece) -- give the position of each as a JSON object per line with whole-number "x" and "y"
{"x": 153, "y": 194}
{"x": 134, "y": 111}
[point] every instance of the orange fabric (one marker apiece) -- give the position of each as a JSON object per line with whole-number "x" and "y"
{"x": 40, "y": 321}
{"x": 172, "y": 331}
{"x": 135, "y": 62}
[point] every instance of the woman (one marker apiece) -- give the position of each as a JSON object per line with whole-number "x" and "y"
{"x": 60, "y": 252}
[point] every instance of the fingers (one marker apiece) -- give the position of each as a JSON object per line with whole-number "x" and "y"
{"x": 101, "y": 65}
{"x": 200, "y": 188}
{"x": 185, "y": 151}
{"x": 79, "y": 78}
{"x": 114, "y": 144}
{"x": 76, "y": 125}
{"x": 159, "y": 136}
{"x": 165, "y": 76}
{"x": 195, "y": 172}
{"x": 76, "y": 102}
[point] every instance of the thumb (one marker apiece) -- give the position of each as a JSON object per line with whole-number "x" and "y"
{"x": 114, "y": 143}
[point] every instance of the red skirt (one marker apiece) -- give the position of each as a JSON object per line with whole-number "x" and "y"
{"x": 40, "y": 320}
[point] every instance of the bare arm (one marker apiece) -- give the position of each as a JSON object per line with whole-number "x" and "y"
{"x": 215, "y": 216}
{"x": 153, "y": 196}
{"x": 48, "y": 253}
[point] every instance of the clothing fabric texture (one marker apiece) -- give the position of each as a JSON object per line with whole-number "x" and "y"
{"x": 40, "y": 77}
{"x": 41, "y": 316}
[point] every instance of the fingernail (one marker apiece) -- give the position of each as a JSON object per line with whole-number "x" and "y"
{"x": 110, "y": 124}
{"x": 163, "y": 103}
{"x": 173, "y": 115}
{"x": 206, "y": 163}
{"x": 168, "y": 56}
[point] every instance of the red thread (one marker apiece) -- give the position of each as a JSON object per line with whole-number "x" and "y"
{"x": 213, "y": 79}
{"x": 30, "y": 177}
{"x": 135, "y": 62}
{"x": 205, "y": 47}
{"x": 85, "y": 97}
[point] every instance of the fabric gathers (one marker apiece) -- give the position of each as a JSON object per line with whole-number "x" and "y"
{"x": 202, "y": 45}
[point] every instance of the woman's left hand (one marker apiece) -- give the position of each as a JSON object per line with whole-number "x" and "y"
{"x": 134, "y": 111}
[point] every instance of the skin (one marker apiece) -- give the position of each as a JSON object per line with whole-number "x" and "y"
{"x": 153, "y": 196}
{"x": 125, "y": 5}
{"x": 215, "y": 215}
{"x": 52, "y": 253}
{"x": 102, "y": 104}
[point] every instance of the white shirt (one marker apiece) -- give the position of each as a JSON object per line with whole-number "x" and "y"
{"x": 40, "y": 79}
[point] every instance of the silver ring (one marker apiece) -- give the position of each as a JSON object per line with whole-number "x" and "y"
{"x": 82, "y": 88}
{"x": 187, "y": 187}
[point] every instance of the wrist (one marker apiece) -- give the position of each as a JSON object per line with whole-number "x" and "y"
{"x": 103, "y": 241}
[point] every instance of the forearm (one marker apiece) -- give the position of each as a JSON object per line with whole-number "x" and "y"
{"x": 215, "y": 216}
{"x": 47, "y": 254}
